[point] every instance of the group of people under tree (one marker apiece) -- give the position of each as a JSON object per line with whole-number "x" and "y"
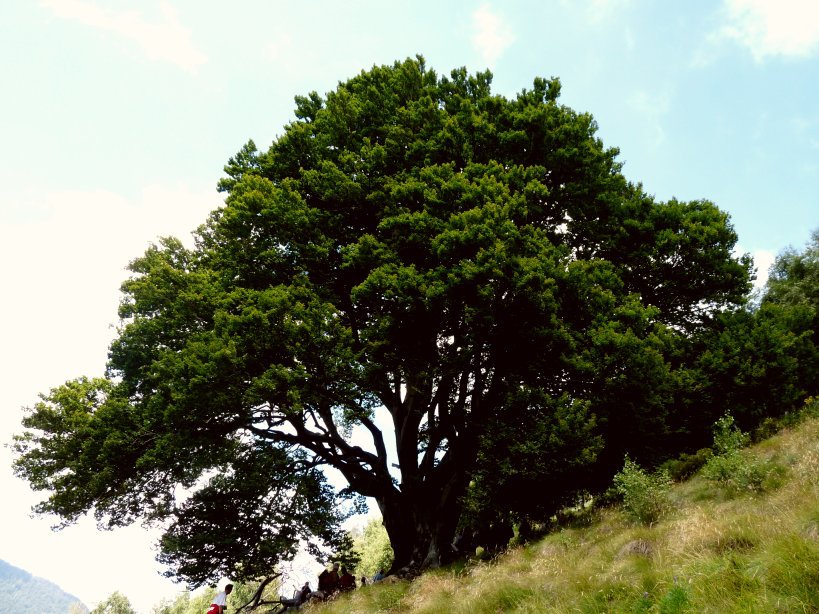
{"x": 331, "y": 582}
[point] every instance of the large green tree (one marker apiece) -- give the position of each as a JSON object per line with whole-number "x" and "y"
{"x": 414, "y": 246}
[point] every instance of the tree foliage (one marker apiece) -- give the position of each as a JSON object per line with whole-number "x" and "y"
{"x": 794, "y": 276}
{"x": 373, "y": 546}
{"x": 412, "y": 250}
{"x": 117, "y": 603}
{"x": 760, "y": 361}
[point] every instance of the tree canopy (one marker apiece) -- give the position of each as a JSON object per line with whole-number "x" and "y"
{"x": 794, "y": 276}
{"x": 412, "y": 250}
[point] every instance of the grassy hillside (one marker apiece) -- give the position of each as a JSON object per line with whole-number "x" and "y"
{"x": 716, "y": 550}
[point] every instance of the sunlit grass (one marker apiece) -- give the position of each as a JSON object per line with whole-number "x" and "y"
{"x": 713, "y": 552}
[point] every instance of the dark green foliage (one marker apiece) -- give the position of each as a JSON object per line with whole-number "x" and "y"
{"x": 539, "y": 444}
{"x": 686, "y": 465}
{"x": 758, "y": 363}
{"x": 346, "y": 554}
{"x": 476, "y": 266}
{"x": 242, "y": 523}
{"x": 21, "y": 592}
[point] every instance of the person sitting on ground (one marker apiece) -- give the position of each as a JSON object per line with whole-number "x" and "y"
{"x": 299, "y": 597}
{"x": 328, "y": 581}
{"x": 219, "y": 603}
{"x": 363, "y": 580}
{"x": 379, "y": 576}
{"x": 346, "y": 581}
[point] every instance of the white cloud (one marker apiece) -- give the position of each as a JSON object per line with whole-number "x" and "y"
{"x": 763, "y": 259}
{"x": 773, "y": 27}
{"x": 165, "y": 40}
{"x": 491, "y": 35}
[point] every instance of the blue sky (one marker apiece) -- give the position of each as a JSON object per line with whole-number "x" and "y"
{"x": 117, "y": 117}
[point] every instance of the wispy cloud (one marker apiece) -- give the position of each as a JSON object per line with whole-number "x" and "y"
{"x": 491, "y": 35}
{"x": 653, "y": 107}
{"x": 163, "y": 40}
{"x": 603, "y": 10}
{"x": 773, "y": 27}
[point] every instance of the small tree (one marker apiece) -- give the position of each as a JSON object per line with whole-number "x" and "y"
{"x": 645, "y": 495}
{"x": 117, "y": 603}
{"x": 731, "y": 467}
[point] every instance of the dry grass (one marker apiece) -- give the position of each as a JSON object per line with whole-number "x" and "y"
{"x": 713, "y": 553}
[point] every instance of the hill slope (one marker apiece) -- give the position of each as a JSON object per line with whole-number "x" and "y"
{"x": 716, "y": 551}
{"x": 22, "y": 593}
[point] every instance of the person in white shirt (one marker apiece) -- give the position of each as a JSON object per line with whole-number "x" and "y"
{"x": 219, "y": 603}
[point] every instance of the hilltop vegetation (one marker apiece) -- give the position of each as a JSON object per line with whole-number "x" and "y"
{"x": 717, "y": 549}
{"x": 22, "y": 593}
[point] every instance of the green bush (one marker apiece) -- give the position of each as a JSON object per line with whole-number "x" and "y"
{"x": 686, "y": 465}
{"x": 727, "y": 436}
{"x": 645, "y": 495}
{"x": 735, "y": 472}
{"x": 731, "y": 468}
{"x": 674, "y": 601}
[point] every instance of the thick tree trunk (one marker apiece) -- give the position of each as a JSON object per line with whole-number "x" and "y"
{"x": 421, "y": 525}
{"x": 421, "y": 515}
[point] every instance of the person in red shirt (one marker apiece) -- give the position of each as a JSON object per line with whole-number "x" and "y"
{"x": 328, "y": 581}
{"x": 346, "y": 582}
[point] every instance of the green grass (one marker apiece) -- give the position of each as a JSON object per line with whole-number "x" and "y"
{"x": 716, "y": 551}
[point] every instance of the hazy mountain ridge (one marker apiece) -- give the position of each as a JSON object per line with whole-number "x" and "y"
{"x": 24, "y": 593}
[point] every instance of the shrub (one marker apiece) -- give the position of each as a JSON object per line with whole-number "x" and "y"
{"x": 731, "y": 468}
{"x": 686, "y": 465}
{"x": 674, "y": 601}
{"x": 811, "y": 408}
{"x": 645, "y": 496}
{"x": 727, "y": 436}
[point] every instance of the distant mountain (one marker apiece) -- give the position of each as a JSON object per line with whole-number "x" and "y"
{"x": 22, "y": 593}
